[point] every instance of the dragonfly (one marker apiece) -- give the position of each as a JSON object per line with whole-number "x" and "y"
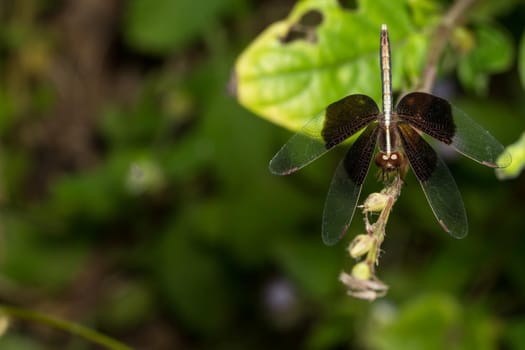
{"x": 398, "y": 136}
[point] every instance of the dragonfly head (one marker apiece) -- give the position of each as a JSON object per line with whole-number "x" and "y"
{"x": 389, "y": 161}
{"x": 390, "y": 164}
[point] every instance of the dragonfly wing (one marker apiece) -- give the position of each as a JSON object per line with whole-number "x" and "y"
{"x": 438, "y": 118}
{"x": 475, "y": 142}
{"x": 341, "y": 120}
{"x": 436, "y": 181}
{"x": 302, "y": 149}
{"x": 346, "y": 185}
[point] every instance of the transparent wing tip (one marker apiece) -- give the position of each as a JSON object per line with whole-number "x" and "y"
{"x": 277, "y": 167}
{"x": 330, "y": 239}
{"x": 459, "y": 234}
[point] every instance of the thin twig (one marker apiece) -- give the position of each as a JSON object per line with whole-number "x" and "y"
{"x": 392, "y": 192}
{"x": 451, "y": 19}
{"x": 73, "y": 328}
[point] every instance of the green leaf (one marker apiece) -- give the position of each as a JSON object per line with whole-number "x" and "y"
{"x": 293, "y": 70}
{"x": 517, "y": 151}
{"x": 492, "y": 53}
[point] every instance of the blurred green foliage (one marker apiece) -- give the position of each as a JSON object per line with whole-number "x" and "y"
{"x": 521, "y": 59}
{"x": 440, "y": 322}
{"x": 149, "y": 26}
{"x": 136, "y": 198}
{"x": 491, "y": 53}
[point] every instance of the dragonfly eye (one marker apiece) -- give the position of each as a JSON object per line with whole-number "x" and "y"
{"x": 390, "y": 161}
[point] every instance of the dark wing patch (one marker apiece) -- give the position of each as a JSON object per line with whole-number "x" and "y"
{"x": 358, "y": 157}
{"x": 347, "y": 116}
{"x": 420, "y": 154}
{"x": 428, "y": 113}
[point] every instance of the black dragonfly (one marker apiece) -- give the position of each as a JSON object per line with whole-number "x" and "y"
{"x": 398, "y": 137}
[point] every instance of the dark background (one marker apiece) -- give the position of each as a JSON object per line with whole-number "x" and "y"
{"x": 135, "y": 197}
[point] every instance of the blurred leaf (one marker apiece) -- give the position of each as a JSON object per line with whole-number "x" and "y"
{"x": 291, "y": 72}
{"x": 182, "y": 163}
{"x": 482, "y": 329}
{"x": 413, "y": 57}
{"x": 489, "y": 9}
{"x": 314, "y": 267}
{"x": 492, "y": 53}
{"x": 129, "y": 305}
{"x": 123, "y": 128}
{"x": 164, "y": 26}
{"x": 515, "y": 334}
{"x": 329, "y": 336}
{"x": 517, "y": 151}
{"x": 38, "y": 260}
{"x": 521, "y": 59}
{"x": 89, "y": 198}
{"x": 424, "y": 11}
{"x": 92, "y": 195}
{"x": 193, "y": 282}
{"x": 428, "y": 322}
{"x": 6, "y": 111}
{"x": 13, "y": 341}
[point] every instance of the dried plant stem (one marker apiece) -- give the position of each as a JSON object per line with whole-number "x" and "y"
{"x": 378, "y": 229}
{"x": 442, "y": 34}
{"x": 363, "y": 283}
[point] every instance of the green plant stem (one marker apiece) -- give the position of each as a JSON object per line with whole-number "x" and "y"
{"x": 73, "y": 328}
